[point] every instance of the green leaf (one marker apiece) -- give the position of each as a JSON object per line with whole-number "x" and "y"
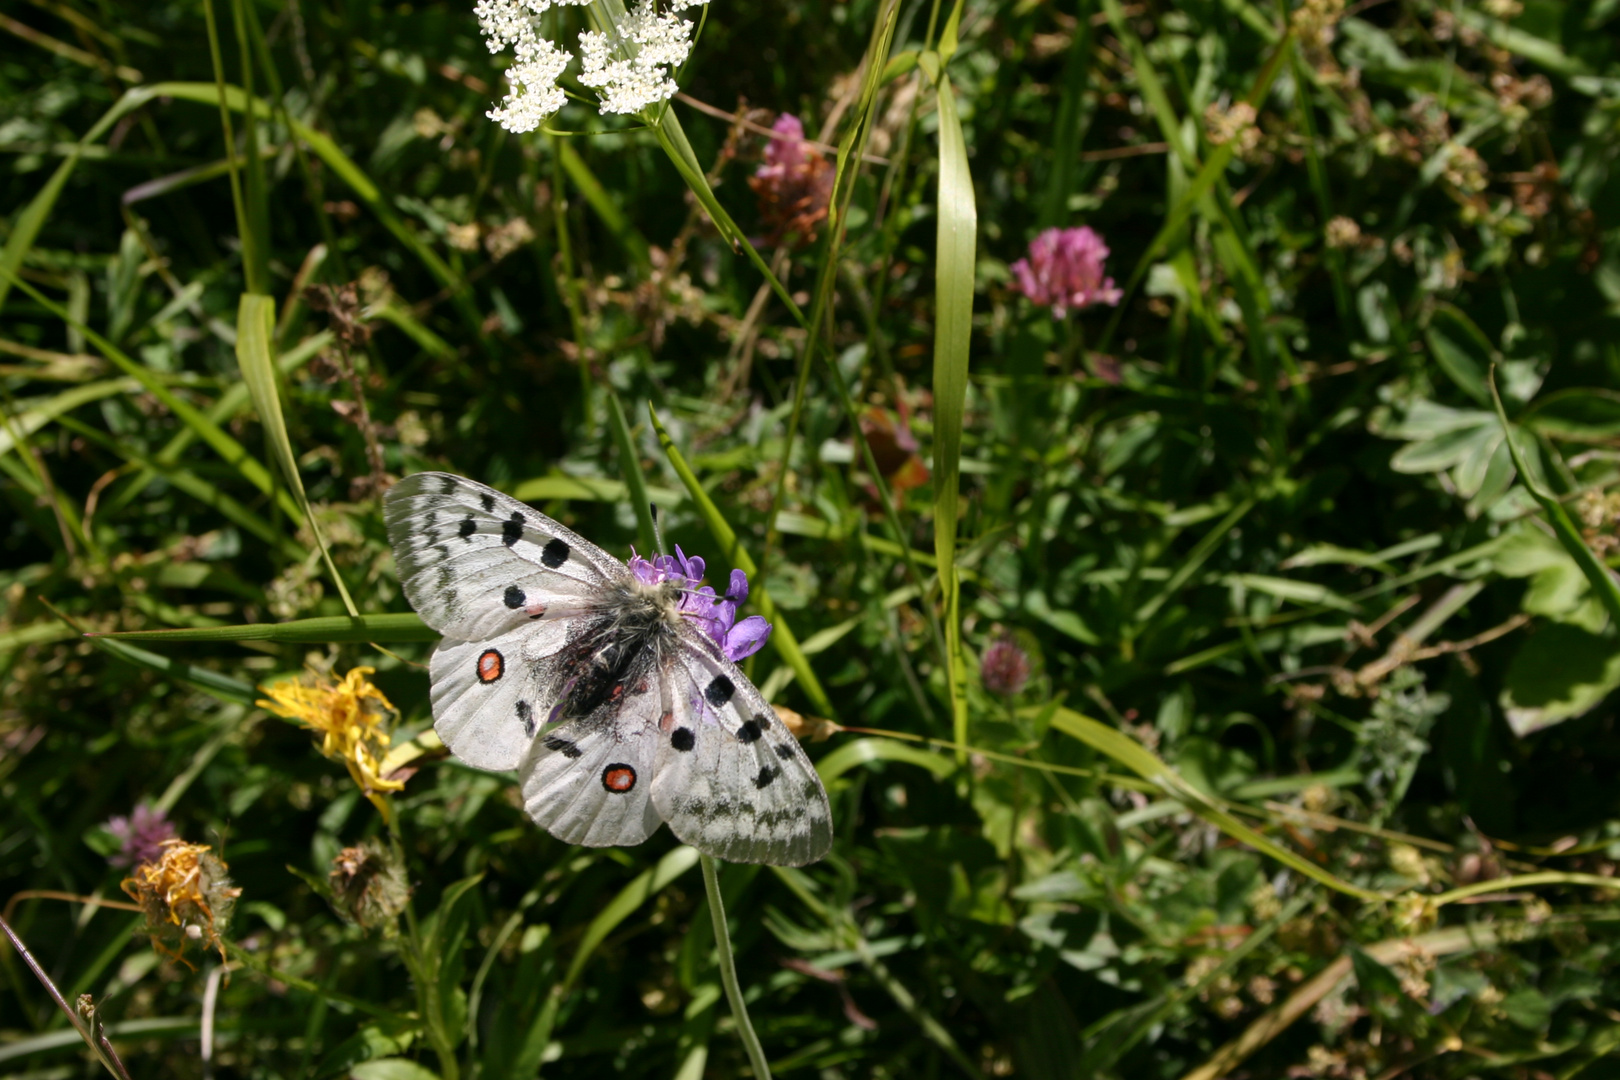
{"x": 407, "y": 626}
{"x": 1601, "y": 578}
{"x": 1579, "y": 414}
{"x": 955, "y": 245}
{"x": 861, "y": 751}
{"x": 1462, "y": 350}
{"x": 391, "y": 1069}
{"x": 1559, "y": 672}
{"x": 255, "y": 345}
{"x": 28, "y": 415}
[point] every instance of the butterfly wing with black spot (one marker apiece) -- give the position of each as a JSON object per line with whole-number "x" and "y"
{"x": 502, "y": 582}
{"x": 475, "y": 562}
{"x": 589, "y": 781}
{"x": 729, "y": 777}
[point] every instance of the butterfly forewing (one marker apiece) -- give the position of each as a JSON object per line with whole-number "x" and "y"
{"x": 475, "y": 562}
{"x": 730, "y": 779}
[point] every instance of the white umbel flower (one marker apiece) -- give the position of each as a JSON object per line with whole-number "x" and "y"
{"x": 630, "y": 67}
{"x": 635, "y": 72}
{"x": 533, "y": 95}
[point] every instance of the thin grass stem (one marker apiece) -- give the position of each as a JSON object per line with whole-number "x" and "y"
{"x": 728, "y": 971}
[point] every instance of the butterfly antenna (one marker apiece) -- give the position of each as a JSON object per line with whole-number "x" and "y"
{"x": 658, "y": 530}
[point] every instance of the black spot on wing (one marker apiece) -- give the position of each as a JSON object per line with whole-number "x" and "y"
{"x": 512, "y": 529}
{"x": 719, "y": 692}
{"x": 514, "y": 597}
{"x": 682, "y": 739}
{"x": 554, "y": 554}
{"x": 785, "y": 751}
{"x": 448, "y": 485}
{"x": 749, "y": 732}
{"x": 766, "y": 775}
{"x": 562, "y": 746}
{"x": 468, "y": 527}
{"x": 526, "y": 714}
{"x": 812, "y": 788}
{"x": 489, "y": 502}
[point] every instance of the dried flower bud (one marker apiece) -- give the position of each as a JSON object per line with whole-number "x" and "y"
{"x": 369, "y": 887}
{"x": 1342, "y": 232}
{"x": 343, "y": 308}
{"x": 186, "y": 897}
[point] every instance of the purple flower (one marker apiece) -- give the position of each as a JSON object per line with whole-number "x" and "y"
{"x": 794, "y": 185}
{"x": 1004, "y": 668}
{"x": 1064, "y": 270}
{"x": 714, "y": 614}
{"x": 140, "y": 835}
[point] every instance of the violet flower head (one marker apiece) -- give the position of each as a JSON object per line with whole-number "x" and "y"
{"x": 140, "y": 836}
{"x": 714, "y": 614}
{"x": 1064, "y": 271}
{"x": 1004, "y": 668}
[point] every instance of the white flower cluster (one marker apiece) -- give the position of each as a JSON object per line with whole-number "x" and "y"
{"x": 629, "y": 67}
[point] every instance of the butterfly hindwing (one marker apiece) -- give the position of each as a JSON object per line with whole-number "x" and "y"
{"x": 589, "y": 783}
{"x": 491, "y": 697}
{"x": 729, "y": 777}
{"x": 475, "y": 562}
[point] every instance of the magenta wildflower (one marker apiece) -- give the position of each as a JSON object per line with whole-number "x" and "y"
{"x": 1064, "y": 271}
{"x": 140, "y": 836}
{"x": 1004, "y": 668}
{"x": 794, "y": 186}
{"x": 714, "y": 614}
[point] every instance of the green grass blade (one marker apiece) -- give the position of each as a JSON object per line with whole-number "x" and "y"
{"x": 953, "y": 331}
{"x": 1195, "y": 558}
{"x": 859, "y": 752}
{"x": 597, "y": 197}
{"x": 226, "y": 447}
{"x": 635, "y": 483}
{"x": 1142, "y": 761}
{"x": 403, "y": 627}
{"x": 782, "y": 638}
{"x": 255, "y": 337}
{"x": 646, "y": 885}
{"x": 255, "y": 224}
{"x": 1598, "y": 575}
{"x": 211, "y": 682}
{"x": 25, "y": 228}
{"x": 34, "y": 413}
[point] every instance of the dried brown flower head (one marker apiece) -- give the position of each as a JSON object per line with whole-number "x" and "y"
{"x": 343, "y": 308}
{"x": 369, "y": 887}
{"x": 186, "y": 897}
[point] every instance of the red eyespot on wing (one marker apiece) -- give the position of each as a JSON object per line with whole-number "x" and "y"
{"x": 490, "y": 665}
{"x": 618, "y": 778}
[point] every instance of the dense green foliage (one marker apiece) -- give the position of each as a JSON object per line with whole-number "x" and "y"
{"x": 1320, "y": 636}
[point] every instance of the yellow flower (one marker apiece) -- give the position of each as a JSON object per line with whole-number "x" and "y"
{"x": 349, "y": 716}
{"x": 185, "y": 896}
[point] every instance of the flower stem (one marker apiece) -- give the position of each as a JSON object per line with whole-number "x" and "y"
{"x": 728, "y": 971}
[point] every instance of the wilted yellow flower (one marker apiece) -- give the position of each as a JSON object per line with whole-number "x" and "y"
{"x": 350, "y": 717}
{"x": 186, "y": 897}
